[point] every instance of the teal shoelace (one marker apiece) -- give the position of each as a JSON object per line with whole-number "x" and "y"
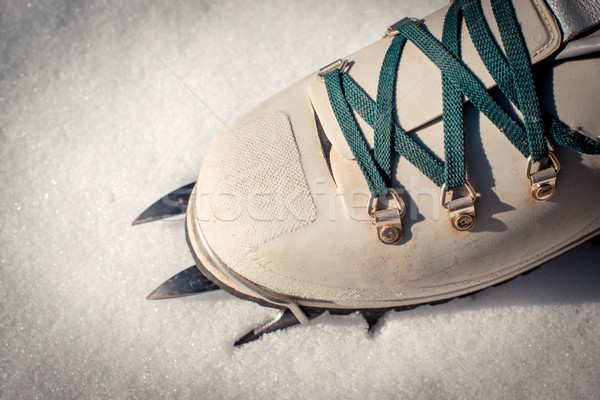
{"x": 511, "y": 69}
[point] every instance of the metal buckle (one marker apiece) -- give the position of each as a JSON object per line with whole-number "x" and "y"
{"x": 461, "y": 210}
{"x": 340, "y": 64}
{"x": 388, "y": 222}
{"x": 392, "y": 30}
{"x": 543, "y": 181}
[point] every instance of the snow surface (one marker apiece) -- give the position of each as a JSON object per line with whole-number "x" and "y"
{"x": 104, "y": 107}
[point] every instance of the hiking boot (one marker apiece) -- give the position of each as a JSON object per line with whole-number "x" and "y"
{"x": 454, "y": 153}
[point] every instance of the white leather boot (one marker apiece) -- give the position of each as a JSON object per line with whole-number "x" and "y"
{"x": 371, "y": 185}
{"x": 284, "y": 213}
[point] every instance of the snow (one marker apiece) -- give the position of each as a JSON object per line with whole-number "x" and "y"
{"x": 104, "y": 107}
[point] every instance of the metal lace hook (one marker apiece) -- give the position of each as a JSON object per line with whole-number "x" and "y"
{"x": 388, "y": 222}
{"x": 461, "y": 210}
{"x": 392, "y": 30}
{"x": 340, "y": 64}
{"x": 543, "y": 181}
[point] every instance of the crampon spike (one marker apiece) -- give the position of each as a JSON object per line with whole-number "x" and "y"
{"x": 175, "y": 203}
{"x": 186, "y": 283}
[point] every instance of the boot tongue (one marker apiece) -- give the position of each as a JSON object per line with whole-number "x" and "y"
{"x": 419, "y": 83}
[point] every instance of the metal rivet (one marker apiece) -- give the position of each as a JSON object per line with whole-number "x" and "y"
{"x": 544, "y": 192}
{"x": 389, "y": 234}
{"x": 463, "y": 222}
